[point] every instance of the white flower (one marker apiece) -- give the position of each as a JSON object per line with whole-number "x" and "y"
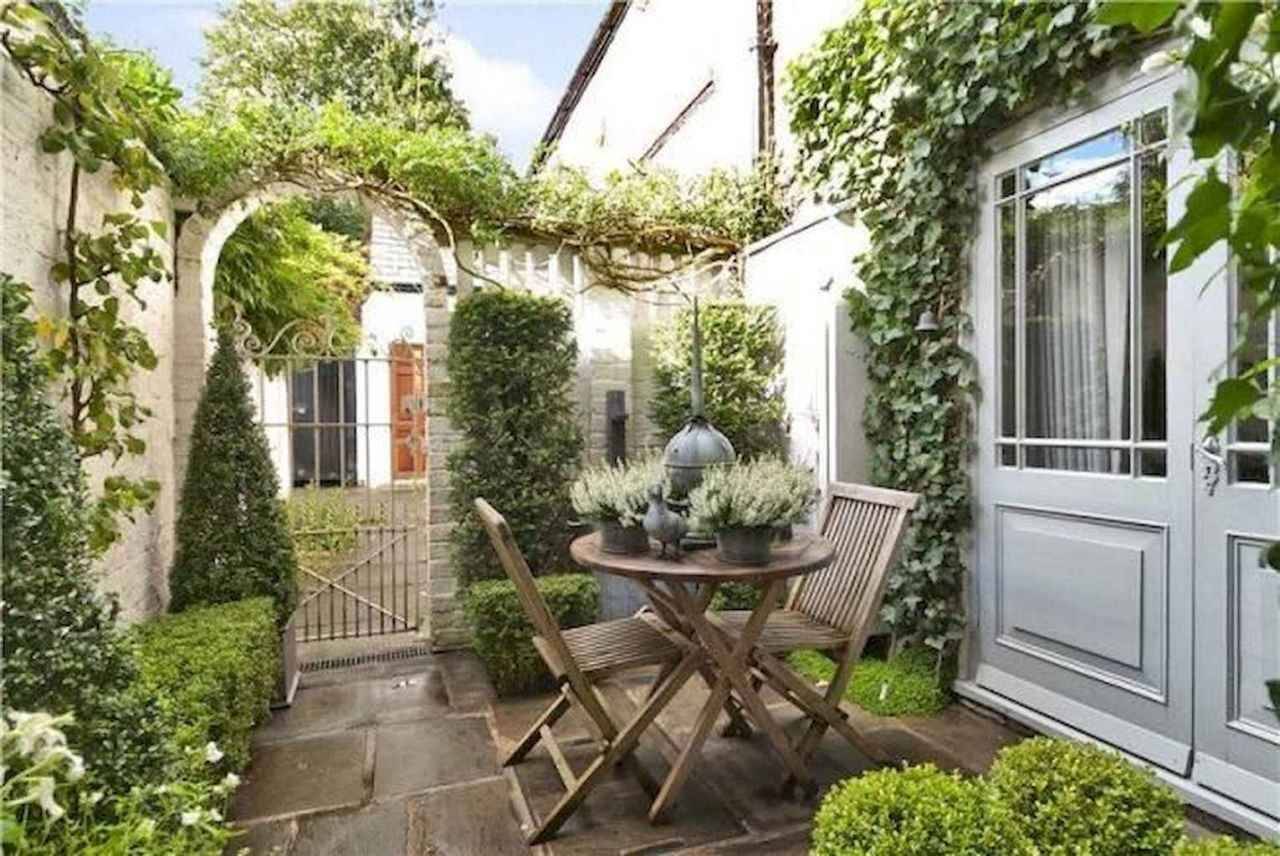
{"x": 1200, "y": 28}
{"x": 1157, "y": 61}
{"x": 212, "y": 753}
{"x": 215, "y": 815}
{"x": 95, "y": 797}
{"x": 190, "y": 818}
{"x": 231, "y": 781}
{"x": 42, "y": 789}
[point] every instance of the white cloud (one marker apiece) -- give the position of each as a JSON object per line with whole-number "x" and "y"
{"x": 505, "y": 97}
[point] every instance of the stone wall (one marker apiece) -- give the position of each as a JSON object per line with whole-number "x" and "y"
{"x": 33, "y": 208}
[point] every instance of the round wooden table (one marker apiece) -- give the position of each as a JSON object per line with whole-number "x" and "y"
{"x": 680, "y": 589}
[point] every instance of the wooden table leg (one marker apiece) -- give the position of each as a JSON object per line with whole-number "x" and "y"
{"x": 670, "y": 612}
{"x": 733, "y": 676}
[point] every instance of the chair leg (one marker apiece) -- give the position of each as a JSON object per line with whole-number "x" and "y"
{"x": 531, "y": 737}
{"x": 617, "y": 750}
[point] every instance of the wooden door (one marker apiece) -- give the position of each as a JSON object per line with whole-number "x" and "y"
{"x": 1084, "y": 534}
{"x": 408, "y": 412}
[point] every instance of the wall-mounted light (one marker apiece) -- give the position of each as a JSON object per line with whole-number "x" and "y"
{"x": 927, "y": 322}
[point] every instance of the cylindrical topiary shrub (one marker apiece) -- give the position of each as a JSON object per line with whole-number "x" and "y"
{"x": 742, "y": 359}
{"x": 62, "y": 651}
{"x": 512, "y": 360}
{"x": 1075, "y": 798}
{"x": 1224, "y": 846}
{"x": 919, "y": 811}
{"x": 233, "y": 538}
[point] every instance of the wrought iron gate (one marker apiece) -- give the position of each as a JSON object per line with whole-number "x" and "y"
{"x": 346, "y": 424}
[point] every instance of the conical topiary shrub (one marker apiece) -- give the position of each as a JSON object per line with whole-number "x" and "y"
{"x": 233, "y": 541}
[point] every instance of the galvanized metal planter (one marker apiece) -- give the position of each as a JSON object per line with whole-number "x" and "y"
{"x": 623, "y": 540}
{"x": 746, "y": 545}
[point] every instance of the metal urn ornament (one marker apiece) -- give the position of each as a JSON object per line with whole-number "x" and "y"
{"x": 663, "y": 524}
{"x": 698, "y": 444}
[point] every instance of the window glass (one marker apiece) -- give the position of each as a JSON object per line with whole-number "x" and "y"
{"x": 1085, "y": 156}
{"x": 1153, "y": 292}
{"x": 1077, "y": 308}
{"x": 1008, "y": 228}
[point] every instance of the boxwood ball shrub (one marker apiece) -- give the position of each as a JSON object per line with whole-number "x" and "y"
{"x": 501, "y": 634}
{"x": 1073, "y": 798}
{"x": 919, "y": 811}
{"x": 233, "y": 538}
{"x": 212, "y": 671}
{"x": 742, "y": 358}
{"x": 512, "y": 361}
{"x": 61, "y": 649}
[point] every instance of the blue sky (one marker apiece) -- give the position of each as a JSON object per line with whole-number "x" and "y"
{"x": 511, "y": 59}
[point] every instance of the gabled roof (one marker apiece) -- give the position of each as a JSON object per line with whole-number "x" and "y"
{"x": 582, "y": 75}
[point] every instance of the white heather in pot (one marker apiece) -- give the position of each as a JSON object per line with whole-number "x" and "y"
{"x": 612, "y": 494}
{"x": 765, "y": 492}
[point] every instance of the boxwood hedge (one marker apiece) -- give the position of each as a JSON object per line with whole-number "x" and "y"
{"x": 501, "y": 634}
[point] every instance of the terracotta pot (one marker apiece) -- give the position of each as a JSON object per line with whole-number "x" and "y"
{"x": 624, "y": 540}
{"x": 746, "y": 545}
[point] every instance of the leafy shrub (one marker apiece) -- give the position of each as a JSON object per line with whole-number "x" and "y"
{"x": 233, "y": 542}
{"x": 742, "y": 358}
{"x": 511, "y": 366}
{"x": 212, "y": 671}
{"x": 907, "y": 684}
{"x": 1224, "y": 846}
{"x": 47, "y": 804}
{"x": 324, "y": 524}
{"x": 502, "y": 634}
{"x": 1073, "y": 798}
{"x": 919, "y": 811}
{"x": 61, "y": 648}
{"x": 735, "y": 596}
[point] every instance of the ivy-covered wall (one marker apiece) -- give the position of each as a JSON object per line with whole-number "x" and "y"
{"x": 892, "y": 113}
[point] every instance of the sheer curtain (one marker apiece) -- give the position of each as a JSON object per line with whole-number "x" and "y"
{"x": 1077, "y": 319}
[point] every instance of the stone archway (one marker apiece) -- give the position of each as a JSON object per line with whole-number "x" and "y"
{"x": 200, "y": 242}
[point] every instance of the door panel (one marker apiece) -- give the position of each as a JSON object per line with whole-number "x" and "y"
{"x": 1237, "y": 599}
{"x": 1084, "y": 533}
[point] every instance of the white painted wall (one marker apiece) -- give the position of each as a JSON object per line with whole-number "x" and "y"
{"x": 804, "y": 271}
{"x": 663, "y": 53}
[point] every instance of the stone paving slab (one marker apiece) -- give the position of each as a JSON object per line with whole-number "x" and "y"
{"x": 513, "y": 717}
{"x": 474, "y": 819}
{"x": 466, "y": 682}
{"x": 377, "y": 829}
{"x": 614, "y": 817}
{"x": 312, "y": 774}
{"x": 415, "y": 756}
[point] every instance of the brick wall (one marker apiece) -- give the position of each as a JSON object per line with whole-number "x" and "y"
{"x": 33, "y": 200}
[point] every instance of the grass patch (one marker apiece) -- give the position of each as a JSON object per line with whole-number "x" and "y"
{"x": 905, "y": 685}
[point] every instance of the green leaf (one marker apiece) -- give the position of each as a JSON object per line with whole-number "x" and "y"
{"x": 1231, "y": 398}
{"x": 1142, "y": 15}
{"x": 1206, "y": 221}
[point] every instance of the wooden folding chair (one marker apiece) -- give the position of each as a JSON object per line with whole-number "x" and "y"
{"x": 579, "y": 657}
{"x": 835, "y": 609}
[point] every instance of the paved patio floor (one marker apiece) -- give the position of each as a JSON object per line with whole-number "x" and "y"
{"x": 402, "y": 758}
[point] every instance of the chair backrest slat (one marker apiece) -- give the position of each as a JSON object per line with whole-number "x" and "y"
{"x": 535, "y": 606}
{"x": 867, "y": 525}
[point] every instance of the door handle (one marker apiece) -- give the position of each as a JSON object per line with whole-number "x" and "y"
{"x": 1209, "y": 452}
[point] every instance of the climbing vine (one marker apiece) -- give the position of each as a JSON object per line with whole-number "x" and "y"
{"x": 892, "y": 112}
{"x": 104, "y": 104}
